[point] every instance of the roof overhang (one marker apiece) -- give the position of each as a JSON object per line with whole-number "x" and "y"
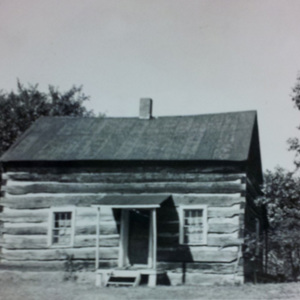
{"x": 128, "y": 201}
{"x": 221, "y": 136}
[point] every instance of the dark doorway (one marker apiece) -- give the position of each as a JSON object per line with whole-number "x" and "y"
{"x": 138, "y": 236}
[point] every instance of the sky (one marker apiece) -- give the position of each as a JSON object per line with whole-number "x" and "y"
{"x": 189, "y": 56}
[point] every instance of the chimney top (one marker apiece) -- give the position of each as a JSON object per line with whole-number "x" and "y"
{"x": 145, "y": 108}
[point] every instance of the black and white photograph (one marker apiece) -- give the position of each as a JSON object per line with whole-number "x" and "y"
{"x": 149, "y": 149}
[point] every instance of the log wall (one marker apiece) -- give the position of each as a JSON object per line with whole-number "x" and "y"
{"x": 29, "y": 196}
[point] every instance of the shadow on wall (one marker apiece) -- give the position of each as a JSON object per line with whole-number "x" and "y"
{"x": 170, "y": 253}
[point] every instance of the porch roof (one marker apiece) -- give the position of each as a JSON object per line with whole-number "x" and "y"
{"x": 131, "y": 201}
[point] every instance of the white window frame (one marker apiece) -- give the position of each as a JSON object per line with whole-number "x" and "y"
{"x": 182, "y": 208}
{"x": 54, "y": 210}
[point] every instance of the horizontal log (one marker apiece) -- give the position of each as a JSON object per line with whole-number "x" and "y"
{"x": 106, "y": 228}
{"x": 45, "y": 266}
{"x": 92, "y": 219}
{"x": 42, "y": 228}
{"x": 117, "y": 167}
{"x": 198, "y": 267}
{"x": 212, "y": 279}
{"x": 26, "y": 228}
{"x": 2, "y": 181}
{"x": 46, "y": 201}
{"x": 122, "y": 177}
{"x": 42, "y": 215}
{"x": 25, "y": 241}
{"x": 167, "y": 234}
{"x": 224, "y": 212}
{"x": 215, "y": 225}
{"x": 23, "y": 188}
{"x": 169, "y": 214}
{"x": 86, "y": 220}
{"x": 86, "y": 211}
{"x": 109, "y": 218}
{"x": 213, "y": 239}
{"x": 168, "y": 227}
{"x": 223, "y": 225}
{"x": 107, "y": 263}
{"x": 224, "y": 239}
{"x": 60, "y": 253}
{"x": 24, "y": 215}
{"x": 24, "y": 266}
{"x": 41, "y": 241}
{"x": 106, "y": 213}
{"x": 204, "y": 249}
{"x": 90, "y": 241}
{"x": 231, "y": 220}
{"x": 223, "y": 228}
{"x": 167, "y": 240}
{"x": 33, "y": 265}
{"x": 81, "y": 222}
{"x": 35, "y": 201}
{"x": 210, "y": 200}
{"x": 203, "y": 279}
{"x": 190, "y": 254}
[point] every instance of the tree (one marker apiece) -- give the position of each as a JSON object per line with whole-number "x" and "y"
{"x": 282, "y": 200}
{"x": 294, "y": 143}
{"x": 18, "y": 110}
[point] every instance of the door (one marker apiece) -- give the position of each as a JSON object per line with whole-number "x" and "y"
{"x": 138, "y": 236}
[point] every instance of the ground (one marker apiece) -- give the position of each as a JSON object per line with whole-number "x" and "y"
{"x": 25, "y": 286}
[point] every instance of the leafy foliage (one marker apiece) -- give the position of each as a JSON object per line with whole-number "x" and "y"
{"x": 70, "y": 268}
{"x": 294, "y": 143}
{"x": 282, "y": 200}
{"x": 18, "y": 110}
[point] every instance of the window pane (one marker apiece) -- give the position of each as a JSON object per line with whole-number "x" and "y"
{"x": 193, "y": 226}
{"x": 61, "y": 232}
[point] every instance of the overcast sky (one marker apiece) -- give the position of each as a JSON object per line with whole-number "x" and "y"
{"x": 189, "y": 56}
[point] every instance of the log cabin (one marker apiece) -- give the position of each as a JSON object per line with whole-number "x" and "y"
{"x": 135, "y": 200}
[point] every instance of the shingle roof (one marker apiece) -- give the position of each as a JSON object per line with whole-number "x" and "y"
{"x": 225, "y": 136}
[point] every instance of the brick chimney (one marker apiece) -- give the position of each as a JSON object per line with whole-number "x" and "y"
{"x": 145, "y": 108}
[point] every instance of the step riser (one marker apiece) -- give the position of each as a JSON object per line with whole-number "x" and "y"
{"x": 136, "y": 279}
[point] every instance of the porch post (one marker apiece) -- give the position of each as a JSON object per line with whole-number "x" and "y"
{"x": 97, "y": 238}
{"x": 154, "y": 235}
{"x": 152, "y": 240}
{"x": 123, "y": 246}
{"x": 152, "y": 249}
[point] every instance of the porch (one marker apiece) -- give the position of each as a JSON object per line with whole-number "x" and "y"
{"x": 138, "y": 240}
{"x": 127, "y": 276}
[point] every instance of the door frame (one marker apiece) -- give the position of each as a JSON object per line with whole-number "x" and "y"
{"x": 123, "y": 260}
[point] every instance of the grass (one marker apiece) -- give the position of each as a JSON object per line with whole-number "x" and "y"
{"x": 42, "y": 286}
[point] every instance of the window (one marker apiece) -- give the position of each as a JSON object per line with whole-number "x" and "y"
{"x": 193, "y": 225}
{"x": 61, "y": 227}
